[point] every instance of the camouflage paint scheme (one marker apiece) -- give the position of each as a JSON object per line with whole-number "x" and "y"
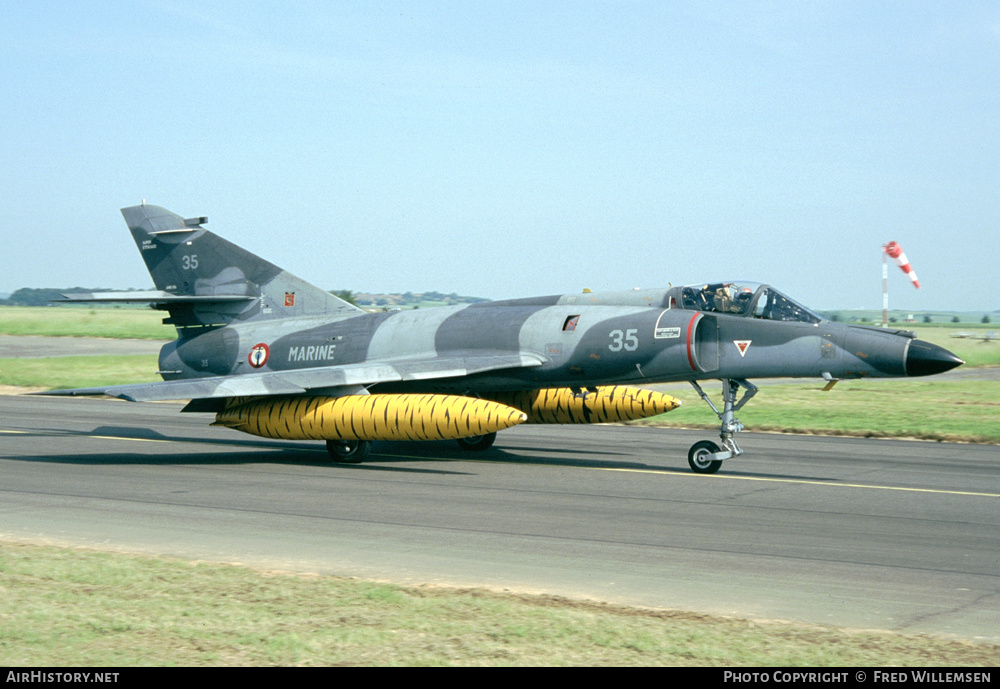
{"x": 248, "y": 328}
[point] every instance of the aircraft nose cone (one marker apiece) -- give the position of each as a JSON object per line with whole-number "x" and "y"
{"x": 925, "y": 359}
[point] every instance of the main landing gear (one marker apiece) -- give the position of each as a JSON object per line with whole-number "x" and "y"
{"x": 355, "y": 451}
{"x": 705, "y": 457}
{"x": 348, "y": 451}
{"x": 477, "y": 443}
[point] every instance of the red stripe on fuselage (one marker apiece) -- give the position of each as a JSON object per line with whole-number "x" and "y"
{"x": 690, "y": 332}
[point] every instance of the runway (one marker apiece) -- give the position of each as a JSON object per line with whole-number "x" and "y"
{"x": 855, "y": 533}
{"x": 36, "y": 346}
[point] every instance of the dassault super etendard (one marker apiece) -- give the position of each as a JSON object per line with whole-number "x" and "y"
{"x": 271, "y": 355}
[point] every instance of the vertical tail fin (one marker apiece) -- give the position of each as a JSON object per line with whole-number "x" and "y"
{"x": 207, "y": 275}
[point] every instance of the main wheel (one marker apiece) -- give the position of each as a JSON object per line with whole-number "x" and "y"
{"x": 698, "y": 457}
{"x": 348, "y": 451}
{"x": 477, "y": 443}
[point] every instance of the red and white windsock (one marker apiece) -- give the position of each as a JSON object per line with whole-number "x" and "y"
{"x": 895, "y": 252}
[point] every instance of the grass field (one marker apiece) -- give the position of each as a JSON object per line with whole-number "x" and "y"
{"x": 144, "y": 323}
{"x": 926, "y": 408}
{"x": 80, "y": 321}
{"x": 70, "y": 607}
{"x": 78, "y": 371}
{"x": 972, "y": 352}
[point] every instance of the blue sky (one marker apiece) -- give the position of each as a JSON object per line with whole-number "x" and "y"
{"x": 505, "y": 149}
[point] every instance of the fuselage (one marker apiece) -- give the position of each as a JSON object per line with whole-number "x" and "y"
{"x": 584, "y": 340}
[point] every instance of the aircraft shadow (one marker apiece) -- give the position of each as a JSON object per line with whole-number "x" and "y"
{"x": 449, "y": 451}
{"x": 430, "y": 451}
{"x": 384, "y": 457}
{"x": 257, "y": 451}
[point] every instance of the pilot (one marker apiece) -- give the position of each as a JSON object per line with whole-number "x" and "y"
{"x": 724, "y": 300}
{"x": 742, "y": 303}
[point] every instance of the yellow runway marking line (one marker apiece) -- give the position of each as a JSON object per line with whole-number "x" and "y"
{"x": 138, "y": 440}
{"x": 810, "y": 483}
{"x": 684, "y": 474}
{"x": 102, "y": 437}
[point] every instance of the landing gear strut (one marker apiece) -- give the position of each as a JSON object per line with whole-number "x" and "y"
{"x": 705, "y": 457}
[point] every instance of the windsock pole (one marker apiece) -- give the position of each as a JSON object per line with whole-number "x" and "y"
{"x": 885, "y": 289}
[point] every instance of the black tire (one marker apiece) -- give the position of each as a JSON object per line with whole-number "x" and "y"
{"x": 697, "y": 457}
{"x": 477, "y": 443}
{"x": 348, "y": 451}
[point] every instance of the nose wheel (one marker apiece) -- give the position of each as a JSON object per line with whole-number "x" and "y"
{"x": 705, "y": 457}
{"x": 700, "y": 457}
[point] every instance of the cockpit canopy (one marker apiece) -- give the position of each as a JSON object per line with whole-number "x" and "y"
{"x": 745, "y": 299}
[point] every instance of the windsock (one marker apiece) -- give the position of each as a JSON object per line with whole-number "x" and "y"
{"x": 895, "y": 252}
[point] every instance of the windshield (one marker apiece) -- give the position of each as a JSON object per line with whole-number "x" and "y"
{"x": 745, "y": 299}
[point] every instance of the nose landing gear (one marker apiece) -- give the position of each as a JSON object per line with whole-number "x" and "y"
{"x": 705, "y": 457}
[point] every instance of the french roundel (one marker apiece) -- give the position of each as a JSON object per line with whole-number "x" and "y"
{"x": 259, "y": 354}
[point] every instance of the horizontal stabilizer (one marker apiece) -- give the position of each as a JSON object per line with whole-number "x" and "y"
{"x": 153, "y": 296}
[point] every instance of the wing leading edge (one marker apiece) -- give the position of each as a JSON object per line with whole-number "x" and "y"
{"x": 332, "y": 380}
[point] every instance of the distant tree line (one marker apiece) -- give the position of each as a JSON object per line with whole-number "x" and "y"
{"x": 406, "y": 299}
{"x": 44, "y": 296}
{"x": 28, "y": 296}
{"x": 345, "y": 294}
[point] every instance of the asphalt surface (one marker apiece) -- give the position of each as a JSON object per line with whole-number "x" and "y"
{"x": 854, "y": 533}
{"x": 37, "y": 346}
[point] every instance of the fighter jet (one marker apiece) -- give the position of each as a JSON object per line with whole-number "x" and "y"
{"x": 985, "y": 337}
{"x": 274, "y": 356}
